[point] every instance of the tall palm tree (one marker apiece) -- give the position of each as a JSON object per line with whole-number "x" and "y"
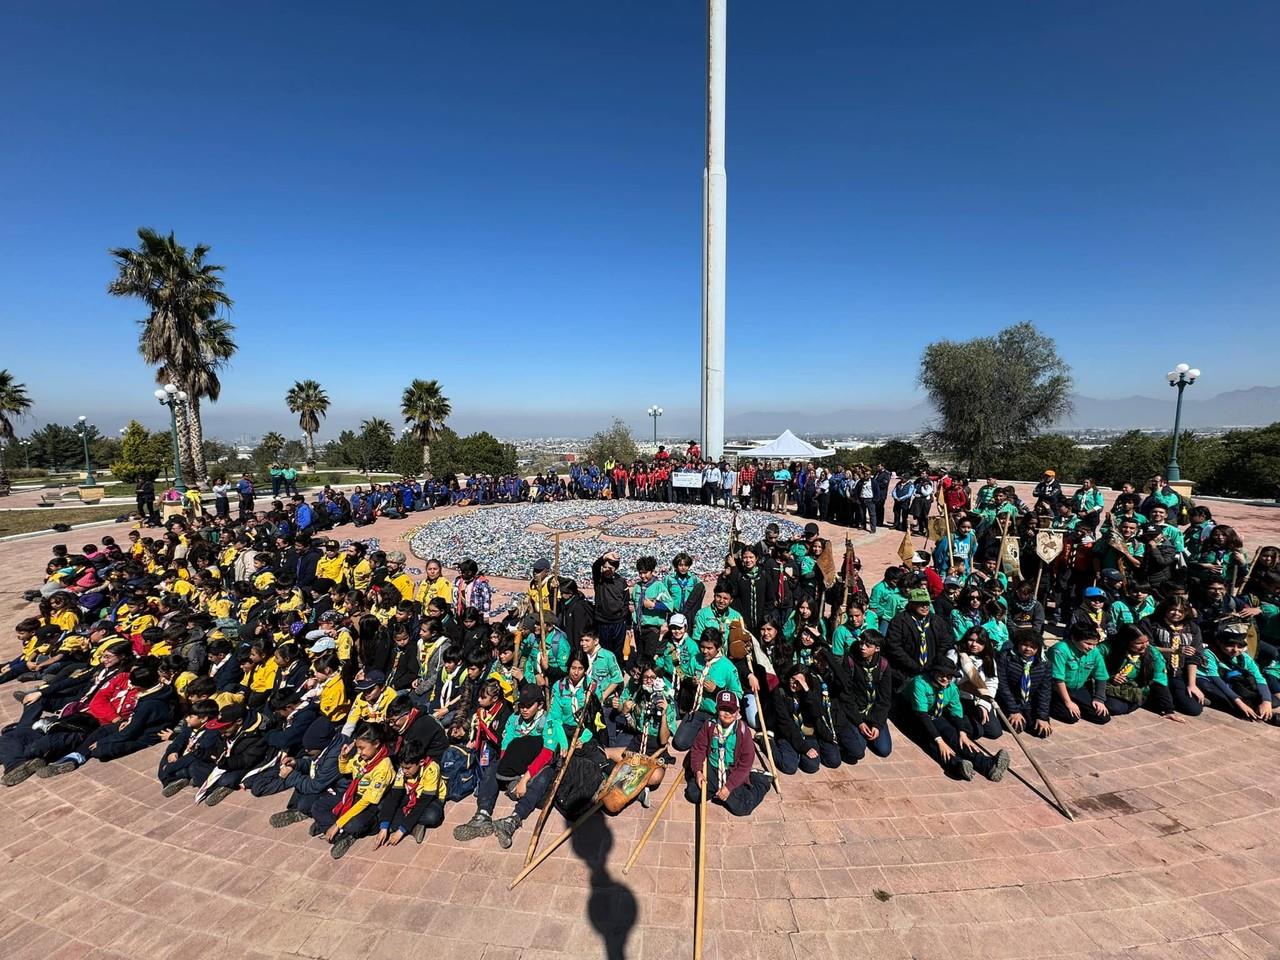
{"x": 273, "y": 441}
{"x": 308, "y": 399}
{"x": 425, "y": 408}
{"x": 182, "y": 334}
{"x": 14, "y": 402}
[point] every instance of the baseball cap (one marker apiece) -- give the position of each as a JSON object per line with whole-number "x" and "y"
{"x": 331, "y": 616}
{"x": 953, "y": 582}
{"x": 231, "y": 713}
{"x": 371, "y": 679}
{"x": 395, "y": 556}
{"x": 727, "y": 700}
{"x": 918, "y": 595}
{"x": 1094, "y": 593}
{"x": 678, "y": 620}
{"x": 540, "y": 566}
{"x": 322, "y": 643}
{"x": 810, "y": 529}
{"x": 529, "y": 696}
{"x": 919, "y": 557}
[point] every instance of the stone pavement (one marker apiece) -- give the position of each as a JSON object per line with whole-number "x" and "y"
{"x": 1172, "y": 855}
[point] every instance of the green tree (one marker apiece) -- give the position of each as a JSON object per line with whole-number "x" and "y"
{"x": 140, "y": 455}
{"x": 309, "y": 401}
{"x": 1131, "y": 457}
{"x": 59, "y": 447}
{"x": 346, "y": 451}
{"x": 614, "y": 443}
{"x": 993, "y": 391}
{"x": 14, "y": 404}
{"x": 425, "y": 408}
{"x": 182, "y": 334}
{"x": 1028, "y": 459}
{"x": 406, "y": 456}
{"x": 377, "y": 444}
{"x": 1248, "y": 464}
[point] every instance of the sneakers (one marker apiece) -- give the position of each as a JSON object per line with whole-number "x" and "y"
{"x": 340, "y": 846}
{"x": 315, "y": 830}
{"x": 56, "y": 769}
{"x": 419, "y": 833}
{"x": 505, "y": 829}
{"x": 217, "y": 795}
{"x": 1001, "y": 765}
{"x": 481, "y": 825}
{"x": 175, "y": 788}
{"x": 964, "y": 770}
{"x": 644, "y": 798}
{"x": 286, "y": 817}
{"x": 20, "y": 695}
{"x": 23, "y": 770}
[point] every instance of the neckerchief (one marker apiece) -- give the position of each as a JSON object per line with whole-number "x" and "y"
{"x": 1130, "y": 666}
{"x": 408, "y": 722}
{"x": 869, "y": 674}
{"x": 349, "y": 798}
{"x": 937, "y": 702}
{"x": 411, "y": 786}
{"x": 720, "y": 742}
{"x": 1025, "y": 684}
{"x": 923, "y": 627}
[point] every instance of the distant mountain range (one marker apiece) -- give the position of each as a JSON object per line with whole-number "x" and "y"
{"x": 1252, "y": 407}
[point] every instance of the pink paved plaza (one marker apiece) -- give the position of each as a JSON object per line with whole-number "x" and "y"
{"x": 1173, "y": 854}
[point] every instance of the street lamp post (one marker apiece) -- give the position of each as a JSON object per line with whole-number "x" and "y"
{"x": 173, "y": 398}
{"x": 1181, "y": 376}
{"x": 654, "y": 413}
{"x": 26, "y": 448}
{"x": 88, "y": 467}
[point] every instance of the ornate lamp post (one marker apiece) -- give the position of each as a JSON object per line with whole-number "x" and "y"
{"x": 26, "y": 448}
{"x": 1181, "y": 376}
{"x": 173, "y": 398}
{"x": 654, "y": 413}
{"x": 83, "y": 430}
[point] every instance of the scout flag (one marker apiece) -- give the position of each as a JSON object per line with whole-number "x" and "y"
{"x": 1049, "y": 544}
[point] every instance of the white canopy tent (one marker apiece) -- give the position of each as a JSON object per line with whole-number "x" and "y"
{"x": 786, "y": 447}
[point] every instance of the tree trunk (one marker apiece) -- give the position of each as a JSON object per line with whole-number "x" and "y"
{"x": 195, "y": 443}
{"x": 426, "y": 456}
{"x": 311, "y": 447}
{"x": 182, "y": 415}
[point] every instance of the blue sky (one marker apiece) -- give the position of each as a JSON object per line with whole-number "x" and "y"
{"x": 507, "y": 197}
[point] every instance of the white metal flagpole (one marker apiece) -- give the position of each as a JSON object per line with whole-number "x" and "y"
{"x": 714, "y": 210}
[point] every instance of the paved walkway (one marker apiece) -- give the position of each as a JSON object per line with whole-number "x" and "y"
{"x": 1172, "y": 855}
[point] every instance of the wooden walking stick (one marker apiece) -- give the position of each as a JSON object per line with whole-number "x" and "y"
{"x": 551, "y": 796}
{"x": 764, "y": 729}
{"x": 653, "y": 822}
{"x": 1062, "y": 804}
{"x": 555, "y": 844}
{"x": 1248, "y": 572}
{"x": 946, "y": 523}
{"x": 700, "y": 878}
{"x": 848, "y": 576}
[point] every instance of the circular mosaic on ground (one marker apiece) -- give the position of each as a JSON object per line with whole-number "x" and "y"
{"x": 506, "y": 539}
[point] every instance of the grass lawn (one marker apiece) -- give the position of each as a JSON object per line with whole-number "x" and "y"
{"x": 43, "y": 518}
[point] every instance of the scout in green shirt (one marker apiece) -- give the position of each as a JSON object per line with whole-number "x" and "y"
{"x": 602, "y": 667}
{"x": 715, "y": 671}
{"x": 845, "y": 636}
{"x": 886, "y": 599}
{"x": 1137, "y": 673}
{"x": 1160, "y": 517}
{"x": 568, "y": 707}
{"x": 557, "y": 658}
{"x": 651, "y": 603}
{"x": 647, "y": 705}
{"x": 1079, "y": 677}
{"x": 718, "y": 615}
{"x": 934, "y": 701}
{"x": 1230, "y": 677}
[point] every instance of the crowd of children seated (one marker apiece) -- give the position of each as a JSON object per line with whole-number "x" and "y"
{"x": 250, "y": 656}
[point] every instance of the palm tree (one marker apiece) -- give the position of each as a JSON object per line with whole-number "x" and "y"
{"x": 273, "y": 441}
{"x": 181, "y": 334}
{"x": 14, "y": 402}
{"x": 425, "y": 408}
{"x": 308, "y": 399}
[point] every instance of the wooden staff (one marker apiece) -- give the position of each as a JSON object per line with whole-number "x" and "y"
{"x": 1004, "y": 537}
{"x": 550, "y": 802}
{"x": 555, "y": 844}
{"x": 700, "y": 854}
{"x": 946, "y": 523}
{"x": 1062, "y": 804}
{"x": 653, "y": 822}
{"x": 555, "y": 574}
{"x": 1248, "y": 572}
{"x": 848, "y": 576}
{"x": 764, "y": 729}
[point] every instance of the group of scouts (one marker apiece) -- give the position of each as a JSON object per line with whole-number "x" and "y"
{"x": 366, "y": 699}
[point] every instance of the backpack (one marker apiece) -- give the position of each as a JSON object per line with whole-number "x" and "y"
{"x": 581, "y": 782}
{"x": 229, "y": 626}
{"x": 460, "y": 771}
